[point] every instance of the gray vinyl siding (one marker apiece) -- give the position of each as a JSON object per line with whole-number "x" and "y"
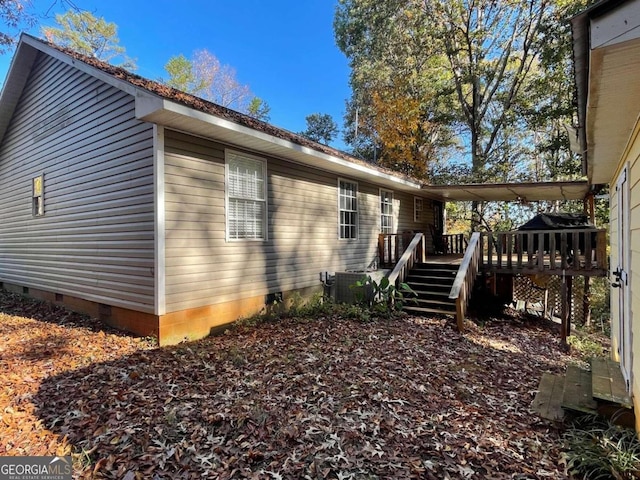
{"x": 203, "y": 268}
{"x": 96, "y": 239}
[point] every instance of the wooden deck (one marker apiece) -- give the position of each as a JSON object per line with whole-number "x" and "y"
{"x": 571, "y": 252}
{"x": 451, "y": 259}
{"x": 502, "y": 264}
{"x": 567, "y": 253}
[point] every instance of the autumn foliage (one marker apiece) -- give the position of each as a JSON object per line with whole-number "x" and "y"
{"x": 403, "y": 128}
{"x": 321, "y": 398}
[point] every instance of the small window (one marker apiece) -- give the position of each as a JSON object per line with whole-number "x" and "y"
{"x": 38, "y": 196}
{"x": 418, "y": 210}
{"x": 386, "y": 211}
{"x": 246, "y": 197}
{"x": 437, "y": 216}
{"x": 348, "y": 208}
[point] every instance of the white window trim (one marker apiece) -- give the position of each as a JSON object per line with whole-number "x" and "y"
{"x": 392, "y": 215}
{"x": 415, "y": 209}
{"x": 340, "y": 179}
{"x": 227, "y": 153}
{"x": 35, "y": 212}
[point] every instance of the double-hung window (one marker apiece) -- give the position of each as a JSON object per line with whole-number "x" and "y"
{"x": 386, "y": 211}
{"x": 418, "y": 209}
{"x": 348, "y": 209}
{"x": 246, "y": 179}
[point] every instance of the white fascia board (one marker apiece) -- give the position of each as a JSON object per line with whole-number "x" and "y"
{"x": 149, "y": 106}
{"x": 618, "y": 25}
{"x": 14, "y": 83}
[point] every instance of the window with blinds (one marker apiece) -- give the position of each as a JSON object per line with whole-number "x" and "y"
{"x": 348, "y": 209}
{"x": 386, "y": 211}
{"x": 246, "y": 197}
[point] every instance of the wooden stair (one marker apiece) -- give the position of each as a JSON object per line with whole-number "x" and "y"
{"x": 432, "y": 282}
{"x": 599, "y": 391}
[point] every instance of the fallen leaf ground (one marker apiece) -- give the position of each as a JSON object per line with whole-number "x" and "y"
{"x": 315, "y": 398}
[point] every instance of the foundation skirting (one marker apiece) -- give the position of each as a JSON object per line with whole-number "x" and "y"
{"x": 171, "y": 328}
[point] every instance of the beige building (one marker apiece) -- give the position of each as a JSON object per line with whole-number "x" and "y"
{"x": 607, "y": 61}
{"x": 167, "y": 215}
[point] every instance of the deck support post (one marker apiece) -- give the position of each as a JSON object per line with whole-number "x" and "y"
{"x": 589, "y": 207}
{"x": 586, "y": 302}
{"x": 569, "y": 302}
{"x": 565, "y": 311}
{"x": 546, "y": 312}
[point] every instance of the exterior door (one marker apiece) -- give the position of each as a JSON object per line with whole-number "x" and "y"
{"x": 621, "y": 276}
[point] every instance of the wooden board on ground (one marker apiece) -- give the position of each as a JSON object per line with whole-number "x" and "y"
{"x": 548, "y": 401}
{"x": 578, "y": 391}
{"x": 608, "y": 383}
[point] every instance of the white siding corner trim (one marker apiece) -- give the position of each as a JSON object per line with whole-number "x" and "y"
{"x": 159, "y": 206}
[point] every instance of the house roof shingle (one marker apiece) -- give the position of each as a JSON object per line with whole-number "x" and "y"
{"x": 212, "y": 108}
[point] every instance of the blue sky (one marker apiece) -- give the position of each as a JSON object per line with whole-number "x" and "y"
{"x": 283, "y": 49}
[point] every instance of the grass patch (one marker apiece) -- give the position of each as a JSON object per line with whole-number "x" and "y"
{"x": 587, "y": 344}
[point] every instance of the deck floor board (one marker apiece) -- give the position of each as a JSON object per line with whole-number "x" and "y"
{"x": 608, "y": 382}
{"x": 578, "y": 391}
{"x": 548, "y": 400}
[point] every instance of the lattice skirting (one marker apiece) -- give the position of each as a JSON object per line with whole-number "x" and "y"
{"x": 530, "y": 291}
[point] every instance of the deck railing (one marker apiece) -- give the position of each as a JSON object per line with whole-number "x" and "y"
{"x": 391, "y": 246}
{"x": 559, "y": 252}
{"x": 455, "y": 243}
{"x": 414, "y": 253}
{"x": 465, "y": 278}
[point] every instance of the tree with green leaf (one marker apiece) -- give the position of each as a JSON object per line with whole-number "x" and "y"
{"x": 554, "y": 92}
{"x": 389, "y": 52}
{"x": 205, "y": 76}
{"x": 320, "y": 128}
{"x": 182, "y": 76}
{"x": 259, "y": 109}
{"x": 90, "y": 35}
{"x": 472, "y": 71}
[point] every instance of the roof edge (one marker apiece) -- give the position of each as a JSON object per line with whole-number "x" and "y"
{"x": 150, "y": 109}
{"x": 150, "y": 96}
{"x": 581, "y": 33}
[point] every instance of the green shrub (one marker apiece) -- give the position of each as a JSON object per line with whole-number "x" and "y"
{"x": 316, "y": 306}
{"x": 382, "y": 298}
{"x": 587, "y": 344}
{"x": 354, "y": 312}
{"x": 598, "y": 450}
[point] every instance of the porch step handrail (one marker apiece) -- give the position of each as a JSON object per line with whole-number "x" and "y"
{"x": 465, "y": 278}
{"x": 414, "y": 253}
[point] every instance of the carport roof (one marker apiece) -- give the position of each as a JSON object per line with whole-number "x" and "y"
{"x": 526, "y": 192}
